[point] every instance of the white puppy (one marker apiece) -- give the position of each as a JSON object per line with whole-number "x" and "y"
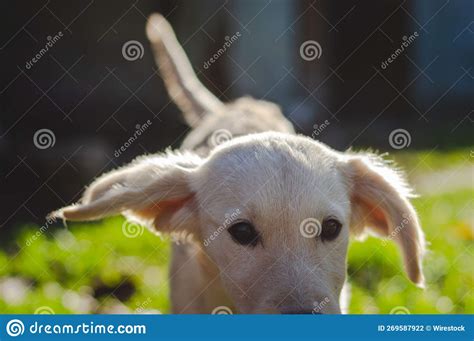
{"x": 268, "y": 214}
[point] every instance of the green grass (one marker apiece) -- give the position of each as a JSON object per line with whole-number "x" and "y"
{"x": 66, "y": 264}
{"x": 96, "y": 268}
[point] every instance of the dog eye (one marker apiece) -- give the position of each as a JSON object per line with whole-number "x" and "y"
{"x": 330, "y": 229}
{"x": 244, "y": 233}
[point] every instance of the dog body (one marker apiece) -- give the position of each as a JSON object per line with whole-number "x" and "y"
{"x": 268, "y": 213}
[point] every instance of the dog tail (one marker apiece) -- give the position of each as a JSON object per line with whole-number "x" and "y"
{"x": 182, "y": 84}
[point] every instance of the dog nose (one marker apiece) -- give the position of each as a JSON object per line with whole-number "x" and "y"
{"x": 299, "y": 311}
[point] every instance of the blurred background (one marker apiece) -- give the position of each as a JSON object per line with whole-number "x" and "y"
{"x": 392, "y": 76}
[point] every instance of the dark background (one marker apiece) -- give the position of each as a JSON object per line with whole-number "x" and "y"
{"x": 91, "y": 98}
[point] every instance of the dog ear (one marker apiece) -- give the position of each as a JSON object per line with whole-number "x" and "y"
{"x": 379, "y": 201}
{"x": 153, "y": 190}
{"x": 183, "y": 86}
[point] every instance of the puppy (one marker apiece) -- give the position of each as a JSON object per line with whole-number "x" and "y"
{"x": 268, "y": 213}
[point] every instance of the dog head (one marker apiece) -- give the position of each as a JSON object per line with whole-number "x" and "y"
{"x": 272, "y": 211}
